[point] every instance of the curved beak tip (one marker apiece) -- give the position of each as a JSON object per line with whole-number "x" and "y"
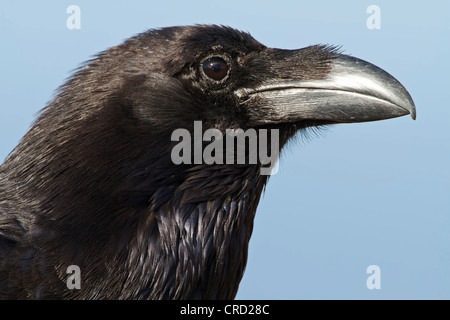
{"x": 409, "y": 106}
{"x": 413, "y": 113}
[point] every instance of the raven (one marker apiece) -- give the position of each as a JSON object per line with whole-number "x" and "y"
{"x": 93, "y": 183}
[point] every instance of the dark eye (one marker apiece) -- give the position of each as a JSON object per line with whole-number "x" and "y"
{"x": 215, "y": 68}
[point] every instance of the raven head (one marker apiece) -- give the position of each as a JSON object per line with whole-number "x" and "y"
{"x": 227, "y": 79}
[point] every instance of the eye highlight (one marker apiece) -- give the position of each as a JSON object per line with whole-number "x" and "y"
{"x": 215, "y": 68}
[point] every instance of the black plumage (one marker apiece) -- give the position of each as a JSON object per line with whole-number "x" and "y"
{"x": 93, "y": 184}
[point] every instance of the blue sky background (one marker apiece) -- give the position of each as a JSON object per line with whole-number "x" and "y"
{"x": 360, "y": 194}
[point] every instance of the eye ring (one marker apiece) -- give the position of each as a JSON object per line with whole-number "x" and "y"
{"x": 215, "y": 68}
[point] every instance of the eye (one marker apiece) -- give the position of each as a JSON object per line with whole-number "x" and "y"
{"x": 215, "y": 68}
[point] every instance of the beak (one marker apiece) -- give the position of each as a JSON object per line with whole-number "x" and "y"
{"x": 352, "y": 90}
